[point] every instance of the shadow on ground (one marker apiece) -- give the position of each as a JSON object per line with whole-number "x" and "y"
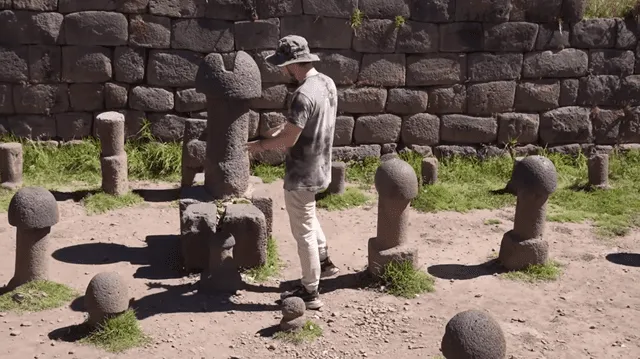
{"x": 466, "y": 272}
{"x": 158, "y": 195}
{"x": 71, "y": 333}
{"x": 624, "y": 259}
{"x": 75, "y": 196}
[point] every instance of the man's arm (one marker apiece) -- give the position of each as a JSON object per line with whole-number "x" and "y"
{"x": 286, "y": 137}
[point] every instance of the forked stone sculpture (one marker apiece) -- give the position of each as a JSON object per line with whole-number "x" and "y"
{"x": 194, "y": 146}
{"x": 113, "y": 158}
{"x": 397, "y": 184}
{"x": 429, "y": 170}
{"x": 222, "y": 273}
{"x": 534, "y": 179}
{"x": 293, "y": 309}
{"x": 107, "y": 296}
{"x": 473, "y": 334}
{"x": 338, "y": 178}
{"x": 598, "y": 168}
{"x": 11, "y": 165}
{"x": 33, "y": 211}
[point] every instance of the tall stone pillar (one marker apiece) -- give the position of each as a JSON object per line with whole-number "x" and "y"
{"x": 113, "y": 158}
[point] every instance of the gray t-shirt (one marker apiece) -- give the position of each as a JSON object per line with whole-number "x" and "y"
{"x": 314, "y": 106}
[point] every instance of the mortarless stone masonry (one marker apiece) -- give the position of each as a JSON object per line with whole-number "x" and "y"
{"x": 454, "y": 74}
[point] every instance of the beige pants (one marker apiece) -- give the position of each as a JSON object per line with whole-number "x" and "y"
{"x": 312, "y": 244}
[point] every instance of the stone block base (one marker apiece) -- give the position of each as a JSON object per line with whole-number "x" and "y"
{"x": 516, "y": 255}
{"x": 114, "y": 174}
{"x": 292, "y": 325}
{"x": 198, "y": 224}
{"x": 379, "y": 259}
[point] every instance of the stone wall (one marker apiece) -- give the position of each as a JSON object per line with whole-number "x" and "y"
{"x": 434, "y": 73}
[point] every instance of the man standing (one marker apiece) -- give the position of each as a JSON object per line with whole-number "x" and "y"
{"x": 308, "y": 136}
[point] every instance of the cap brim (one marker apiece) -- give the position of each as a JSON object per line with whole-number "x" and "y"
{"x": 281, "y": 61}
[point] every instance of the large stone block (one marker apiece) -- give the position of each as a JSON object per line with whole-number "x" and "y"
{"x": 626, "y": 34}
{"x": 362, "y": 100}
{"x": 129, "y": 64}
{"x": 15, "y": 64}
{"x": 407, "y": 101}
{"x": 630, "y": 127}
{"x": 565, "y": 125}
{"x": 521, "y": 127}
{"x": 382, "y": 70}
{"x": 434, "y": 11}
{"x": 436, "y": 69}
{"x": 462, "y": 129}
{"x": 330, "y": 8}
{"x": 421, "y": 129}
{"x": 27, "y": 27}
{"x": 35, "y": 5}
{"x": 611, "y": 62}
{"x": 274, "y": 97}
{"x": 257, "y": 35}
{"x": 483, "y": 10}
{"x": 552, "y": 37}
{"x": 461, "y": 37}
{"x": 569, "y": 92}
{"x": 385, "y": 9}
{"x": 418, "y": 37}
{"x": 248, "y": 226}
{"x": 445, "y": 100}
{"x": 151, "y": 99}
{"x": 510, "y": 36}
{"x": 599, "y": 91}
{"x": 150, "y": 31}
{"x": 606, "y": 125}
{"x": 356, "y": 153}
{"x": 116, "y": 95}
{"x": 377, "y": 36}
{"x": 68, "y": 6}
{"x": 537, "y": 96}
{"x": 6, "y": 99}
{"x": 92, "y": 28}
{"x": 86, "y": 97}
{"x": 132, "y": 6}
{"x": 563, "y": 63}
{"x": 182, "y": 8}
{"x": 278, "y": 8}
{"x": 490, "y": 97}
{"x": 34, "y": 127}
{"x": 377, "y": 129}
{"x": 167, "y": 127}
{"x": 344, "y": 131}
{"x": 323, "y": 32}
{"x": 45, "y": 64}
{"x": 74, "y": 125}
{"x": 629, "y": 93}
{"x": 273, "y": 74}
{"x": 86, "y": 64}
{"x": 494, "y": 67}
{"x": 202, "y": 35}
{"x": 343, "y": 66}
{"x": 190, "y": 100}
{"x": 173, "y": 68}
{"x": 40, "y": 99}
{"x": 547, "y": 11}
{"x": 594, "y": 34}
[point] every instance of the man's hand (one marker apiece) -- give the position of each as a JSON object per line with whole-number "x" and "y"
{"x": 254, "y": 147}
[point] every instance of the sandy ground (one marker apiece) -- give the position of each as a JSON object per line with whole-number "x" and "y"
{"x": 591, "y": 312}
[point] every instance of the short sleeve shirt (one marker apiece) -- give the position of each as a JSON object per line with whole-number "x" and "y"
{"x": 314, "y": 106}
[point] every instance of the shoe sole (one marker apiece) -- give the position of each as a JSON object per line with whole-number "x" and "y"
{"x": 330, "y": 272}
{"x": 314, "y": 304}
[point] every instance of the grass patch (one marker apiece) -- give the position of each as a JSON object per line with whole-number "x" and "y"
{"x": 36, "y": 296}
{"x": 101, "y": 202}
{"x": 362, "y": 172}
{"x": 118, "y": 334}
{"x": 547, "y": 272}
{"x": 356, "y": 18}
{"x": 309, "y": 332}
{"x": 268, "y": 173}
{"x": 399, "y": 21}
{"x": 351, "y": 198}
{"x": 492, "y": 222}
{"x": 610, "y": 8}
{"x": 272, "y": 266}
{"x": 402, "y": 279}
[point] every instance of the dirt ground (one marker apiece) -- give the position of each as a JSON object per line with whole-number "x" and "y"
{"x": 591, "y": 312}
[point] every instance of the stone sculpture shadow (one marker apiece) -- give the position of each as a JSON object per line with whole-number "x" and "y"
{"x": 158, "y": 195}
{"x": 71, "y": 333}
{"x": 466, "y": 272}
{"x": 624, "y": 259}
{"x": 76, "y": 196}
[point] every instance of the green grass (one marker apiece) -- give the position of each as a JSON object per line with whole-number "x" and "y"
{"x": 356, "y": 18}
{"x": 492, "y": 222}
{"x": 402, "y": 279}
{"x": 309, "y": 332}
{"x": 272, "y": 266}
{"x": 399, "y": 21}
{"x": 101, "y": 202}
{"x": 610, "y": 8}
{"x": 36, "y": 296}
{"x": 351, "y": 198}
{"x": 547, "y": 272}
{"x": 268, "y": 173}
{"x": 362, "y": 172}
{"x": 118, "y": 334}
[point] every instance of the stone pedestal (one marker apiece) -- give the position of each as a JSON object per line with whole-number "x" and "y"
{"x": 598, "y": 168}
{"x": 534, "y": 179}
{"x": 194, "y": 147}
{"x": 429, "y": 170}
{"x": 473, "y": 334}
{"x": 293, "y": 310}
{"x": 11, "y": 161}
{"x": 110, "y": 129}
{"x": 248, "y": 226}
{"x": 198, "y": 227}
{"x": 338, "y": 178}
{"x": 107, "y": 296}
{"x": 221, "y": 275}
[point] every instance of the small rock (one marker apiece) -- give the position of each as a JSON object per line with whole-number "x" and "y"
{"x": 15, "y": 333}
{"x": 26, "y": 324}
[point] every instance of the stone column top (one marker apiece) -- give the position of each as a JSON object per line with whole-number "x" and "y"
{"x": 33, "y": 208}
{"x": 11, "y": 146}
{"x": 535, "y": 174}
{"x": 243, "y": 82}
{"x": 396, "y": 179}
{"x": 110, "y": 116}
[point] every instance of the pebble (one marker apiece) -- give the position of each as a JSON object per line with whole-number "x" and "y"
{"x": 15, "y": 333}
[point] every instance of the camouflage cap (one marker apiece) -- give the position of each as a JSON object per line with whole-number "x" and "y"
{"x": 292, "y": 49}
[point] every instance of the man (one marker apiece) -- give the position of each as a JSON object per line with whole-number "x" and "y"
{"x": 308, "y": 136}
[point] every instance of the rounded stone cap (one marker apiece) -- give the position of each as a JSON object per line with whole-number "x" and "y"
{"x": 107, "y": 294}
{"x": 473, "y": 334}
{"x": 33, "y": 208}
{"x": 243, "y": 83}
{"x": 396, "y": 179}
{"x": 293, "y": 307}
{"x": 110, "y": 117}
{"x": 11, "y": 146}
{"x": 536, "y": 174}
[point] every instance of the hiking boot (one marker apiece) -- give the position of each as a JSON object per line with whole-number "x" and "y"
{"x": 328, "y": 269}
{"x": 311, "y": 299}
